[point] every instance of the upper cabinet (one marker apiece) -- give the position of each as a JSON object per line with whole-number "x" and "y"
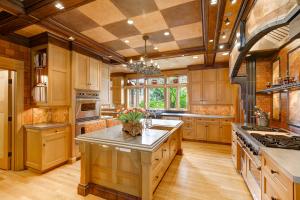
{"x": 105, "y": 84}
{"x": 210, "y": 87}
{"x": 87, "y": 72}
{"x": 51, "y": 75}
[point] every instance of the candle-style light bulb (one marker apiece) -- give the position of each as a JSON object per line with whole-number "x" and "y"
{"x": 130, "y": 61}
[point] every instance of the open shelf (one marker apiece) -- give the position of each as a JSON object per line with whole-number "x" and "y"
{"x": 281, "y": 88}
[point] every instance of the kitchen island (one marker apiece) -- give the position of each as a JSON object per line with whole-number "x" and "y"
{"x": 118, "y": 166}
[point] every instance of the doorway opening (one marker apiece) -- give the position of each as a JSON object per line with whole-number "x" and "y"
{"x": 7, "y": 117}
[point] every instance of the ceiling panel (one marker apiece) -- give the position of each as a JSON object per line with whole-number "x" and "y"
{"x": 31, "y": 30}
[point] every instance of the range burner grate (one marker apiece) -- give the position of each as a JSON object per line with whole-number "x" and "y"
{"x": 278, "y": 141}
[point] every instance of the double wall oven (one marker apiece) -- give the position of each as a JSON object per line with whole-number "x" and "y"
{"x": 87, "y": 109}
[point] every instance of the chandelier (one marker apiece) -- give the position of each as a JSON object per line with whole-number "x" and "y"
{"x": 144, "y": 65}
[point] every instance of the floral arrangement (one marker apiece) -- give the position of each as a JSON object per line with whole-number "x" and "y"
{"x": 131, "y": 120}
{"x": 133, "y": 115}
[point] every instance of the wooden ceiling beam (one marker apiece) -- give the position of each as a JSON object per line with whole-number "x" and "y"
{"x": 13, "y": 7}
{"x": 66, "y": 32}
{"x": 205, "y": 66}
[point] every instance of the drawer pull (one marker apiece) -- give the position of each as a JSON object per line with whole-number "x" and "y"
{"x": 44, "y": 145}
{"x": 157, "y": 159}
{"x": 156, "y": 177}
{"x": 274, "y": 198}
{"x": 274, "y": 172}
{"x": 164, "y": 149}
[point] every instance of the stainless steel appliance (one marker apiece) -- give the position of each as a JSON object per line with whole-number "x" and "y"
{"x": 87, "y": 109}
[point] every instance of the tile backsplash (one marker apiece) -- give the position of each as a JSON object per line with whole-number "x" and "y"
{"x": 213, "y": 109}
{"x": 46, "y": 115}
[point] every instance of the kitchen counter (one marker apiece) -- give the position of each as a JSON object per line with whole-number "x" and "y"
{"x": 287, "y": 159}
{"x": 148, "y": 141}
{"x": 43, "y": 126}
{"x": 197, "y": 115}
{"x": 115, "y": 164}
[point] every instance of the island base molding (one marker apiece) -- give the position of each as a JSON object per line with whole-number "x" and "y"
{"x": 104, "y": 192}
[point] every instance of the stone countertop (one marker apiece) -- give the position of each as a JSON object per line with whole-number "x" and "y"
{"x": 197, "y": 115}
{"x": 148, "y": 141}
{"x": 44, "y": 126}
{"x": 287, "y": 159}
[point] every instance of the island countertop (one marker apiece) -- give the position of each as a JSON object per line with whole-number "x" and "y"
{"x": 148, "y": 141}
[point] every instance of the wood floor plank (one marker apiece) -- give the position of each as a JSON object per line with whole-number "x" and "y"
{"x": 205, "y": 172}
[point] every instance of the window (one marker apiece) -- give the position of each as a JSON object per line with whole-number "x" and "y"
{"x": 158, "y": 93}
{"x": 136, "y": 98}
{"x": 156, "y": 98}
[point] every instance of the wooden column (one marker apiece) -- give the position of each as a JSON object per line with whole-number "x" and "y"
{"x": 146, "y": 175}
{"x": 83, "y": 187}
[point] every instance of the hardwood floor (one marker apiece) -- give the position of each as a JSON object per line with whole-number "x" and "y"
{"x": 205, "y": 172}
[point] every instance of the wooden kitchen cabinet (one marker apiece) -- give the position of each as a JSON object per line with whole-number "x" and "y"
{"x": 117, "y": 89}
{"x": 105, "y": 96}
{"x": 87, "y": 72}
{"x": 46, "y": 149}
{"x": 213, "y": 132}
{"x": 56, "y": 75}
{"x": 225, "y": 131}
{"x": 200, "y": 130}
{"x": 195, "y": 84}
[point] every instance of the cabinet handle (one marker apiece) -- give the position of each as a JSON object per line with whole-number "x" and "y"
{"x": 44, "y": 145}
{"x": 157, "y": 159}
{"x": 274, "y": 198}
{"x": 274, "y": 172}
{"x": 164, "y": 149}
{"x": 156, "y": 177}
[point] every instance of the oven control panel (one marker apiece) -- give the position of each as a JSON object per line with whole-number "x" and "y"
{"x": 87, "y": 94}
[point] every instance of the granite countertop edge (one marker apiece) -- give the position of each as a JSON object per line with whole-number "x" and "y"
{"x": 197, "y": 115}
{"x": 44, "y": 126}
{"x": 150, "y": 148}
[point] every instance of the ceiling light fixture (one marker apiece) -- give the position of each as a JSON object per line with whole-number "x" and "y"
{"x": 155, "y": 48}
{"x": 223, "y": 35}
{"x": 130, "y": 21}
{"x": 59, "y": 6}
{"x": 225, "y": 53}
{"x": 71, "y": 38}
{"x": 227, "y": 21}
{"x": 144, "y": 66}
{"x": 195, "y": 57}
{"x": 166, "y": 33}
{"x": 124, "y": 65}
{"x": 233, "y": 1}
{"x": 126, "y": 41}
{"x": 211, "y": 41}
{"x": 221, "y": 46}
{"x": 110, "y": 56}
{"x": 238, "y": 34}
{"x": 182, "y": 55}
{"x": 213, "y": 2}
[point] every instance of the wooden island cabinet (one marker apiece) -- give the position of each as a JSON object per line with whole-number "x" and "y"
{"x": 115, "y": 165}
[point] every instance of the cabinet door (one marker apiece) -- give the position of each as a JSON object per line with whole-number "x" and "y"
{"x": 223, "y": 74}
{"x": 82, "y": 63}
{"x": 54, "y": 149}
{"x": 196, "y": 92}
{"x": 213, "y": 131}
{"x": 209, "y": 75}
{"x": 210, "y": 92}
{"x": 200, "y": 131}
{"x": 224, "y": 93}
{"x": 188, "y": 133}
{"x": 225, "y": 133}
{"x": 195, "y": 76}
{"x": 59, "y": 76}
{"x": 105, "y": 82}
{"x": 93, "y": 74}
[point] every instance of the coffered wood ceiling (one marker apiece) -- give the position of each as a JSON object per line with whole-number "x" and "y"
{"x": 102, "y": 25}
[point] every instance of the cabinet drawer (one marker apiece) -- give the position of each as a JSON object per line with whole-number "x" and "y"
{"x": 157, "y": 157}
{"x": 276, "y": 177}
{"x": 188, "y": 124}
{"x": 157, "y": 176}
{"x": 188, "y": 133}
{"x": 186, "y": 119}
{"x": 208, "y": 120}
{"x": 53, "y": 130}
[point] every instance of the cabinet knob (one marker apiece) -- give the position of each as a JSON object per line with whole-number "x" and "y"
{"x": 156, "y": 177}
{"x": 274, "y": 198}
{"x": 157, "y": 159}
{"x": 44, "y": 145}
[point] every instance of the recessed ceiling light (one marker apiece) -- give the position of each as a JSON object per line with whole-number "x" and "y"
{"x": 59, "y": 6}
{"x": 221, "y": 46}
{"x": 211, "y": 41}
{"x": 110, "y": 56}
{"x": 124, "y": 65}
{"x": 182, "y": 55}
{"x": 166, "y": 33}
{"x": 225, "y": 53}
{"x": 155, "y": 48}
{"x": 238, "y": 34}
{"x": 126, "y": 41}
{"x": 130, "y": 21}
{"x": 233, "y": 1}
{"x": 71, "y": 38}
{"x": 195, "y": 57}
{"x": 223, "y": 35}
{"x": 213, "y": 2}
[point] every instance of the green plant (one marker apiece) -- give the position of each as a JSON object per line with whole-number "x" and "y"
{"x": 133, "y": 115}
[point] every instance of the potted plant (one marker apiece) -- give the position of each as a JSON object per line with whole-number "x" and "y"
{"x": 131, "y": 120}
